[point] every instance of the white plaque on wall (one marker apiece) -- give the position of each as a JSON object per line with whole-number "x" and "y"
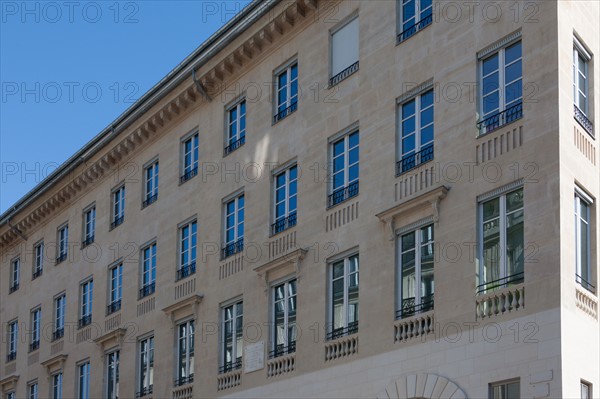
{"x": 254, "y": 357}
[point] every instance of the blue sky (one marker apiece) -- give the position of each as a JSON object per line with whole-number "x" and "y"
{"x": 69, "y": 68}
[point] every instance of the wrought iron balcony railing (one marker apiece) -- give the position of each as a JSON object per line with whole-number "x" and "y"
{"x": 13, "y": 288}
{"x": 411, "y": 30}
{"x": 188, "y": 174}
{"x": 284, "y": 113}
{"x": 585, "y": 123}
{"x": 186, "y": 270}
{"x": 84, "y": 321}
{"x": 113, "y": 307}
{"x": 35, "y": 345}
{"x": 61, "y": 258}
{"x": 58, "y": 333}
{"x": 230, "y": 366}
{"x": 342, "y": 194}
{"x": 36, "y": 274}
{"x": 283, "y": 224}
{"x": 234, "y": 145}
{"x": 516, "y": 278}
{"x": 232, "y": 248}
{"x": 145, "y": 391}
{"x": 150, "y": 199}
{"x": 343, "y": 331}
{"x": 585, "y": 284}
{"x": 409, "y": 308}
{"x": 334, "y": 80}
{"x": 500, "y": 119}
{"x": 411, "y": 161}
{"x": 147, "y": 289}
{"x": 184, "y": 380}
{"x": 11, "y": 356}
{"x": 281, "y": 350}
{"x": 117, "y": 222}
{"x": 89, "y": 240}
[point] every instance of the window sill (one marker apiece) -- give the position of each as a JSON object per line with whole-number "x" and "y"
{"x": 345, "y": 74}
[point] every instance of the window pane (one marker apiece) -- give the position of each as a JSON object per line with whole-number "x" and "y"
{"x": 490, "y": 64}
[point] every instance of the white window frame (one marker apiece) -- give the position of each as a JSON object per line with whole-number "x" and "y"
{"x": 89, "y": 224}
{"x": 236, "y": 317}
{"x": 581, "y": 55}
{"x": 235, "y": 140}
{"x": 118, "y": 206}
{"x": 582, "y": 198}
{"x": 38, "y": 257}
{"x": 354, "y": 18}
{"x": 418, "y": 128}
{"x": 36, "y": 322}
{"x": 238, "y": 225}
{"x": 15, "y": 275}
{"x": 57, "y": 385}
{"x": 148, "y": 272}
{"x": 347, "y": 165}
{"x": 287, "y": 70}
{"x": 192, "y": 167}
{"x": 63, "y": 242}
{"x": 186, "y": 374}
{"x": 151, "y": 176}
{"x": 146, "y": 365}
{"x": 288, "y": 347}
{"x": 286, "y": 198}
{"x": 115, "y": 283}
{"x": 192, "y": 250}
{"x": 60, "y": 303}
{"x": 418, "y": 12}
{"x": 586, "y": 389}
{"x": 32, "y": 390}
{"x": 113, "y": 360}
{"x": 505, "y": 384}
{"x": 86, "y": 298}
{"x": 13, "y": 336}
{"x": 332, "y": 331}
{"x": 83, "y": 379}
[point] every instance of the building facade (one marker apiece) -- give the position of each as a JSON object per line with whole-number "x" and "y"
{"x": 390, "y": 199}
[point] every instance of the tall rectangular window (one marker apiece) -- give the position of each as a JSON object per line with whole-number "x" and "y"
{"x": 344, "y": 157}
{"x": 32, "y": 390}
{"x": 59, "y": 317}
{"x": 286, "y": 199}
{"x": 234, "y": 226}
{"x": 233, "y": 339}
{"x": 416, "y": 250}
{"x": 185, "y": 353}
{"x": 112, "y": 375}
{"x": 236, "y": 127}
{"x": 85, "y": 311}
{"x": 15, "y": 274}
{"x": 343, "y": 288}
{"x": 284, "y": 315}
{"x": 118, "y": 207}
{"x": 89, "y": 226}
{"x": 38, "y": 260}
{"x": 189, "y": 149}
{"x": 344, "y": 52}
{"x": 187, "y": 250}
{"x": 586, "y": 390}
{"x": 13, "y": 340}
{"x": 148, "y": 270}
{"x": 115, "y": 293}
{"x": 83, "y": 371}
{"x": 416, "y": 132}
{"x": 146, "y": 376}
{"x": 10, "y": 395}
{"x": 581, "y": 73}
{"x": 505, "y": 390}
{"x": 286, "y": 83}
{"x": 501, "y": 82}
{"x": 583, "y": 273}
{"x": 57, "y": 386}
{"x": 501, "y": 241}
{"x": 63, "y": 243}
{"x": 150, "y": 184}
{"x": 36, "y": 325}
{"x": 414, "y": 16}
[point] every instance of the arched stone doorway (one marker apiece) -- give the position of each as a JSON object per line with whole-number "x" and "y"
{"x": 421, "y": 386}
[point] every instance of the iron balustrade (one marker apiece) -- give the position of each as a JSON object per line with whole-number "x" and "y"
{"x": 409, "y": 308}
{"x": 230, "y": 366}
{"x": 342, "y": 194}
{"x": 232, "y": 248}
{"x": 147, "y": 289}
{"x": 188, "y": 175}
{"x": 150, "y": 199}
{"x": 186, "y": 270}
{"x": 411, "y": 30}
{"x": 343, "y": 331}
{"x": 184, "y": 380}
{"x": 113, "y": 307}
{"x": 411, "y": 161}
{"x": 334, "y": 80}
{"x": 61, "y": 258}
{"x": 145, "y": 391}
{"x": 500, "y": 119}
{"x": 11, "y": 356}
{"x": 516, "y": 278}
{"x": 58, "y": 333}
{"x": 13, "y": 288}
{"x": 117, "y": 222}
{"x": 234, "y": 145}
{"x": 284, "y": 113}
{"x": 84, "y": 321}
{"x": 283, "y": 224}
{"x": 585, "y": 284}
{"x": 281, "y": 350}
{"x": 36, "y": 274}
{"x": 89, "y": 240}
{"x": 585, "y": 123}
{"x": 35, "y": 345}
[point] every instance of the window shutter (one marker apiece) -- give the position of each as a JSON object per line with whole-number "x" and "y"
{"x": 344, "y": 47}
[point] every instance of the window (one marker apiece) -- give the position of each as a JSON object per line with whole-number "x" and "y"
{"x": 501, "y": 241}
{"x": 15, "y": 274}
{"x": 586, "y": 390}
{"x": 36, "y": 321}
{"x": 146, "y": 377}
{"x": 236, "y": 127}
{"x": 344, "y": 52}
{"x": 32, "y": 389}
{"x": 150, "y": 184}
{"x": 581, "y": 62}
{"x": 112, "y": 375}
{"x": 286, "y": 92}
{"x": 63, "y": 243}
{"x": 414, "y": 16}
{"x": 187, "y": 250}
{"x": 84, "y": 380}
{"x": 38, "y": 260}
{"x": 148, "y": 270}
{"x": 505, "y": 390}
{"x": 13, "y": 339}
{"x": 89, "y": 226}
{"x": 190, "y": 158}
{"x": 344, "y": 156}
{"x": 501, "y": 83}
{"x": 234, "y": 226}
{"x": 57, "y": 386}
{"x": 85, "y": 316}
{"x": 416, "y": 272}
{"x": 233, "y": 339}
{"x": 185, "y": 353}
{"x": 285, "y": 196}
{"x": 343, "y": 277}
{"x": 416, "y": 132}
{"x": 583, "y": 273}
{"x": 284, "y": 315}
{"x": 10, "y": 395}
{"x": 59, "y": 317}
{"x": 115, "y": 289}
{"x": 118, "y": 207}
